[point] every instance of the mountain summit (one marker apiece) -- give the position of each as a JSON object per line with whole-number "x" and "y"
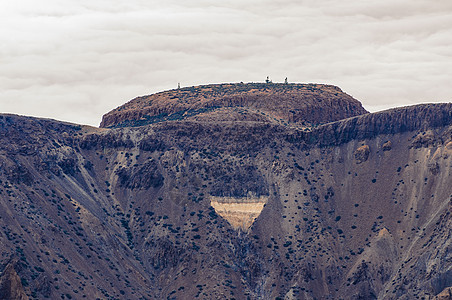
{"x": 232, "y": 191}
{"x": 297, "y": 104}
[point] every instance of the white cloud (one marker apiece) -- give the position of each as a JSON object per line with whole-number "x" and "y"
{"x": 75, "y": 60}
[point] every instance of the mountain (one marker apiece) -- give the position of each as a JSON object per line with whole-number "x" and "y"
{"x": 296, "y": 104}
{"x": 233, "y": 191}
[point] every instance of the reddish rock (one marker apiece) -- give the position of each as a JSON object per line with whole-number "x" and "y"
{"x": 301, "y": 104}
{"x": 362, "y": 154}
{"x": 446, "y": 294}
{"x": 387, "y": 146}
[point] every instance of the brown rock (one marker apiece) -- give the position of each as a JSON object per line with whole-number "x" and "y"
{"x": 424, "y": 139}
{"x": 387, "y": 146}
{"x": 446, "y": 294}
{"x": 301, "y": 104}
{"x": 434, "y": 168}
{"x": 362, "y": 154}
{"x": 449, "y": 146}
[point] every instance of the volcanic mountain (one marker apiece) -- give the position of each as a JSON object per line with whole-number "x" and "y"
{"x": 229, "y": 191}
{"x": 296, "y": 104}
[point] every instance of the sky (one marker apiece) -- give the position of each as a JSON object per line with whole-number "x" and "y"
{"x": 74, "y": 60}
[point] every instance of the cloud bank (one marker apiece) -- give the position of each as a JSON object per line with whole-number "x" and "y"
{"x": 75, "y": 60}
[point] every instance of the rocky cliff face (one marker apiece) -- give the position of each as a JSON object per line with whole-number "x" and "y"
{"x": 205, "y": 208}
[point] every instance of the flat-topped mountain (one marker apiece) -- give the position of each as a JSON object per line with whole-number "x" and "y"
{"x": 299, "y": 104}
{"x": 221, "y": 200}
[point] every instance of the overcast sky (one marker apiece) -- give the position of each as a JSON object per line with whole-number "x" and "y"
{"x": 75, "y": 60}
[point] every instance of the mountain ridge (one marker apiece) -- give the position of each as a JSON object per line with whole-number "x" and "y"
{"x": 355, "y": 209}
{"x": 293, "y": 103}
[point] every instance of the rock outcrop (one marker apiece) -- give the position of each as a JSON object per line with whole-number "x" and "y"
{"x": 387, "y": 146}
{"x": 301, "y": 104}
{"x": 10, "y": 283}
{"x": 446, "y": 294}
{"x": 417, "y": 118}
{"x": 362, "y": 154}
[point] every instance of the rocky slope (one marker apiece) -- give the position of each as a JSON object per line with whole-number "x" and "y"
{"x": 206, "y": 208}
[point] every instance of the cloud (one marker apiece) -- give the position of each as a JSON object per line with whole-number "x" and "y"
{"x": 79, "y": 59}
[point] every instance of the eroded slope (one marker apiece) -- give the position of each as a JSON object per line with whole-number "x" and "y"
{"x": 356, "y": 209}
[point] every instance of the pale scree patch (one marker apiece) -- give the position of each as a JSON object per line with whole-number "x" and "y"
{"x": 239, "y": 212}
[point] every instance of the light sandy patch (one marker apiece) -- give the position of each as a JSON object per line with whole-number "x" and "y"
{"x": 239, "y": 212}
